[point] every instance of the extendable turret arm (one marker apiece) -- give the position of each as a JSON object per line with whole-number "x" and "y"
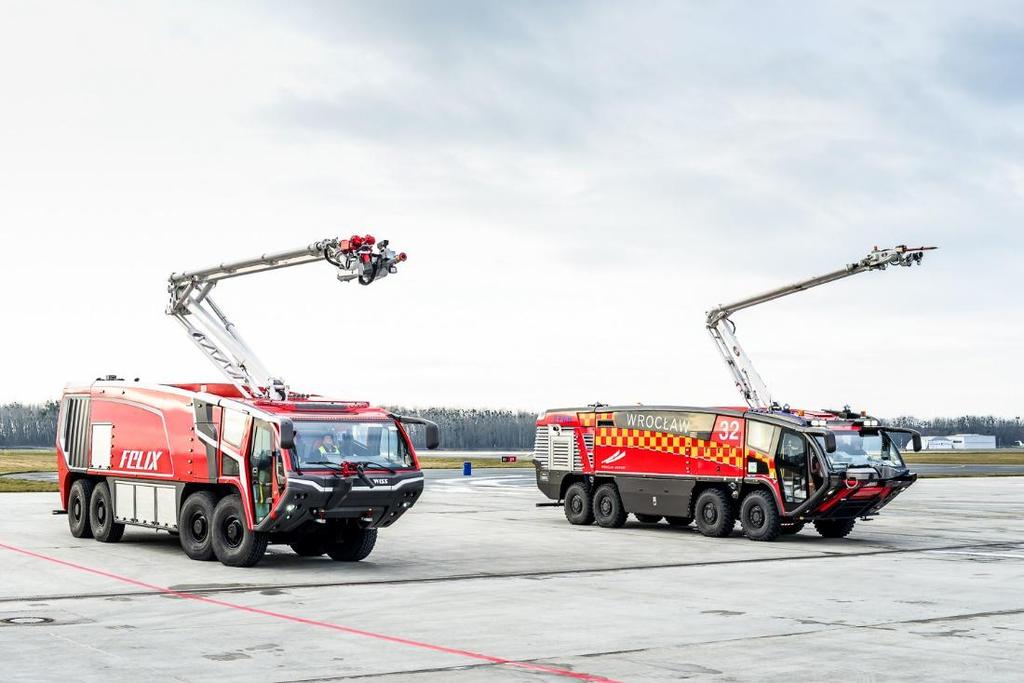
{"x": 357, "y": 258}
{"x": 723, "y": 331}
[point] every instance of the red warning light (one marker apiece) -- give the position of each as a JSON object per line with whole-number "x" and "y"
{"x": 370, "y": 240}
{"x": 402, "y": 256}
{"x": 356, "y": 241}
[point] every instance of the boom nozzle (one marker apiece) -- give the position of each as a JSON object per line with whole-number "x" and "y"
{"x": 357, "y": 259}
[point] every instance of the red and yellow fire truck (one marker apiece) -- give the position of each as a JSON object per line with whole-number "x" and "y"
{"x": 770, "y": 467}
{"x": 232, "y": 467}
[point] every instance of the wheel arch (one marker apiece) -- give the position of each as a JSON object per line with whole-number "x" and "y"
{"x": 773, "y": 493}
{"x": 570, "y": 479}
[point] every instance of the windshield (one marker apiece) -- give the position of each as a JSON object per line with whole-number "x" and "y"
{"x": 854, "y": 448}
{"x": 331, "y": 443}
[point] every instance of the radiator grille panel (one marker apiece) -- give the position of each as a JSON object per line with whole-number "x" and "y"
{"x": 557, "y": 451}
{"x": 76, "y": 432}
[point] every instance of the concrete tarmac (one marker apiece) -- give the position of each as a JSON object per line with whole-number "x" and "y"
{"x": 476, "y": 583}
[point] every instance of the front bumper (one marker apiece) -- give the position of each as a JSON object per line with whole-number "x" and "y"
{"x": 863, "y": 493}
{"x": 310, "y": 497}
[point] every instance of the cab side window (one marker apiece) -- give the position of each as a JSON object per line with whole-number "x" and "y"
{"x": 793, "y": 449}
{"x": 791, "y": 463}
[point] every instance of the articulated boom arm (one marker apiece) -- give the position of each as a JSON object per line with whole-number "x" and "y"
{"x": 357, "y": 258}
{"x": 723, "y": 330}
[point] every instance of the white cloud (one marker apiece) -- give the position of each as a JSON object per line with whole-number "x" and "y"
{"x": 575, "y": 185}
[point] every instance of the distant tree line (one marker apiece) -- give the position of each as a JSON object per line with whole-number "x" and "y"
{"x": 477, "y": 429}
{"x": 486, "y": 429}
{"x": 24, "y": 425}
{"x": 28, "y": 424}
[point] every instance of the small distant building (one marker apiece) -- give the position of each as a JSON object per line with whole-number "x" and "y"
{"x": 958, "y": 442}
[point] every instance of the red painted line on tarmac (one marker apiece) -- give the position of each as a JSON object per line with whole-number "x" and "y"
{"x": 313, "y": 622}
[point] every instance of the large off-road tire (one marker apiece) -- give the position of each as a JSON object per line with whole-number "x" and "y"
{"x": 608, "y": 509}
{"x": 679, "y": 521}
{"x": 78, "y": 508}
{"x": 834, "y": 528}
{"x": 195, "y": 525}
{"x": 310, "y": 546}
{"x": 759, "y": 517}
{"x": 579, "y": 508}
{"x": 355, "y": 545}
{"x": 714, "y": 513}
{"x": 791, "y": 528}
{"x": 101, "y": 515}
{"x": 234, "y": 543}
{"x": 647, "y": 519}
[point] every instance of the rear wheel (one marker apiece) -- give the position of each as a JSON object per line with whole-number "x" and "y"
{"x": 578, "y": 508}
{"x": 834, "y": 528}
{"x": 309, "y": 547}
{"x": 195, "y": 525}
{"x": 714, "y": 513}
{"x": 355, "y": 545}
{"x": 78, "y": 508}
{"x": 234, "y": 543}
{"x": 760, "y": 517}
{"x": 608, "y": 510}
{"x": 647, "y": 519}
{"x": 101, "y": 515}
{"x": 679, "y": 521}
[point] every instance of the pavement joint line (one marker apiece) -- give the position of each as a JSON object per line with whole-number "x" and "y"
{"x": 952, "y": 617}
{"x": 526, "y": 665}
{"x": 159, "y": 590}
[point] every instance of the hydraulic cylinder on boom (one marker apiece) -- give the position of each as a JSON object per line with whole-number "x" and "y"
{"x": 723, "y": 330}
{"x": 359, "y": 258}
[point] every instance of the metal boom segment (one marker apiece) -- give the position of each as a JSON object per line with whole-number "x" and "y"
{"x": 357, "y": 258}
{"x": 723, "y": 331}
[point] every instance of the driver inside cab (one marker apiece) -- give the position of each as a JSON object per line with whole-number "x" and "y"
{"x": 328, "y": 451}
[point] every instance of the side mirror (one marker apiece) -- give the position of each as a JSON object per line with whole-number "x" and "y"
{"x": 287, "y": 435}
{"x": 916, "y": 438}
{"x": 433, "y": 436}
{"x": 830, "y": 442}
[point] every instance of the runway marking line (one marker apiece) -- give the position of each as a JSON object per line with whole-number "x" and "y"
{"x": 313, "y": 622}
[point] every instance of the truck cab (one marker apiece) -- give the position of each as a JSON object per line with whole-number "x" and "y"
{"x": 772, "y": 471}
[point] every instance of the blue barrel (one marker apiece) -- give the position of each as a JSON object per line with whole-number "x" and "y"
{"x": 467, "y": 468}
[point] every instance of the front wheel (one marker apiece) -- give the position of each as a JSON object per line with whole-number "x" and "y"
{"x": 355, "y": 545}
{"x": 234, "y": 543}
{"x": 715, "y": 514}
{"x": 760, "y": 517}
{"x": 578, "y": 509}
{"x": 78, "y": 508}
{"x": 834, "y": 528}
{"x": 101, "y": 515}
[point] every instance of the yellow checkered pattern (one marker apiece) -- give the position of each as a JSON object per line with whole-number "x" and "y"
{"x": 712, "y": 451}
{"x": 590, "y": 419}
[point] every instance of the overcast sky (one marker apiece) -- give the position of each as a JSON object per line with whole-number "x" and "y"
{"x": 575, "y": 184}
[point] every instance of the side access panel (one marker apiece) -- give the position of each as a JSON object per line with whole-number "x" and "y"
{"x": 668, "y": 496}
{"x": 146, "y": 503}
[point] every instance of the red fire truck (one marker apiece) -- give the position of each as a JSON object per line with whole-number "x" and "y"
{"x": 232, "y": 467}
{"x": 771, "y": 467}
